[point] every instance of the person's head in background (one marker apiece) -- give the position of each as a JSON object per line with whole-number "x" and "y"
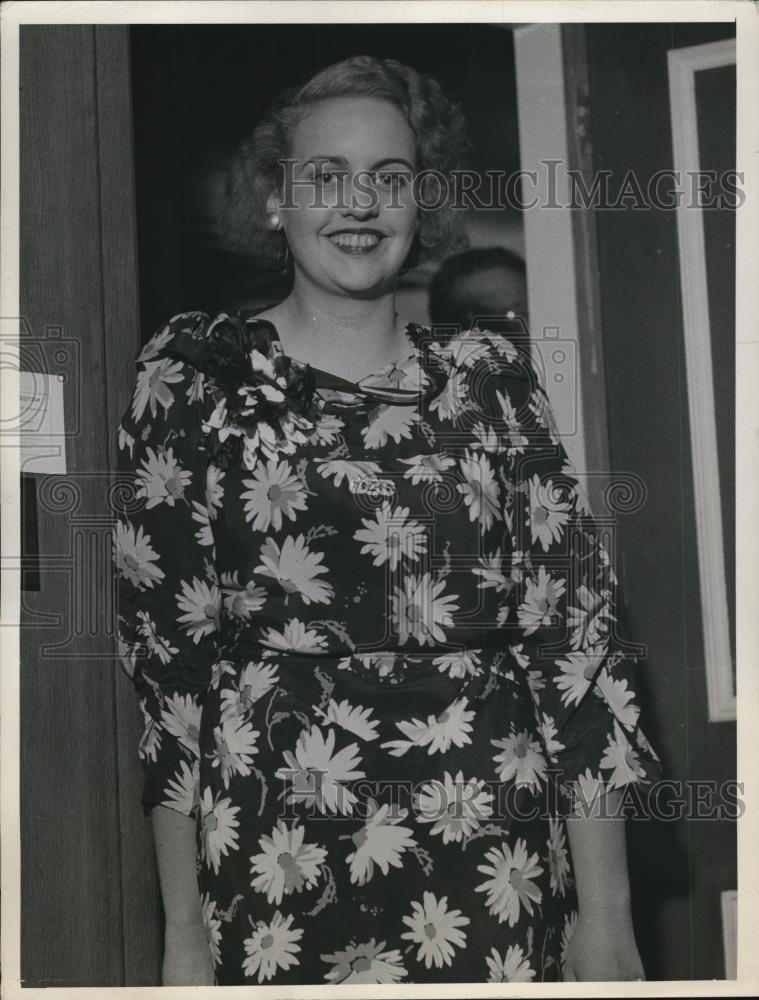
{"x": 485, "y": 283}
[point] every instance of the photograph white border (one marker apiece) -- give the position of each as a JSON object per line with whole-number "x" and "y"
{"x": 747, "y": 435}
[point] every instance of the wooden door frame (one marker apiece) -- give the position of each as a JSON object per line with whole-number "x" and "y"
{"x": 140, "y": 897}
{"x": 89, "y": 894}
{"x": 683, "y": 64}
{"x": 560, "y": 242}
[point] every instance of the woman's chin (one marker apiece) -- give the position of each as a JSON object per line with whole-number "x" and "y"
{"x": 362, "y": 273}
{"x": 364, "y": 281}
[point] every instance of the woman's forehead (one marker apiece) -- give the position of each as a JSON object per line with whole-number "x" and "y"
{"x": 355, "y": 128}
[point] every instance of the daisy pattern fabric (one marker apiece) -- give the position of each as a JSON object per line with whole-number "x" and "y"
{"x": 376, "y": 651}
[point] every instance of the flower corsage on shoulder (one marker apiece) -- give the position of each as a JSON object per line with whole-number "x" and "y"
{"x": 265, "y": 405}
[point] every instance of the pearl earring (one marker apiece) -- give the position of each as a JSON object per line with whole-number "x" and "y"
{"x": 274, "y": 221}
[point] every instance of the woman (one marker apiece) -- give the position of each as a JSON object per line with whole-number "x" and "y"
{"x": 363, "y": 602}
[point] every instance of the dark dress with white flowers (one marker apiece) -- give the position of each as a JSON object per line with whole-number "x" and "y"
{"x": 372, "y": 629}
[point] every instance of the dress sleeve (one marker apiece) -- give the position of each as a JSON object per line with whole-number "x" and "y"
{"x": 168, "y": 598}
{"x": 561, "y": 617}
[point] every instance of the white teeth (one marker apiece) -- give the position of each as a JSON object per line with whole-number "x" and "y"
{"x": 361, "y": 242}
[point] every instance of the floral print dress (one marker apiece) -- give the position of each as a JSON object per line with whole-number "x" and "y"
{"x": 372, "y": 631}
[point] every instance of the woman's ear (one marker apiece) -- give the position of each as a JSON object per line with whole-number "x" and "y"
{"x": 273, "y": 217}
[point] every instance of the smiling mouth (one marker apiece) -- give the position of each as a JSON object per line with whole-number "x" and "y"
{"x": 355, "y": 243}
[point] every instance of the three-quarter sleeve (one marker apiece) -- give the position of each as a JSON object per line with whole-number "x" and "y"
{"x": 168, "y": 598}
{"x": 561, "y": 621}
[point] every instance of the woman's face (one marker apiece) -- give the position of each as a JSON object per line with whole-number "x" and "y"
{"x": 348, "y": 211}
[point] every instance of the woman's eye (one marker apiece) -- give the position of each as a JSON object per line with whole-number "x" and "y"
{"x": 390, "y": 180}
{"x": 327, "y": 176}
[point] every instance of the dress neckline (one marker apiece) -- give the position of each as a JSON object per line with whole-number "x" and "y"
{"x": 393, "y": 383}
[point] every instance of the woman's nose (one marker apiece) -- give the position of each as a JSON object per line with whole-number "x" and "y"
{"x": 361, "y": 198}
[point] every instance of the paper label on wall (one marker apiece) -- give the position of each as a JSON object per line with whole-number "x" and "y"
{"x": 41, "y": 423}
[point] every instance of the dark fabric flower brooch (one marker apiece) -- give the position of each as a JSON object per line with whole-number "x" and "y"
{"x": 266, "y": 405}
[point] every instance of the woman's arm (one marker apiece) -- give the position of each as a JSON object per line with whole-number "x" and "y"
{"x": 603, "y": 945}
{"x": 161, "y": 557}
{"x": 562, "y": 614}
{"x": 187, "y": 955}
{"x": 174, "y": 838}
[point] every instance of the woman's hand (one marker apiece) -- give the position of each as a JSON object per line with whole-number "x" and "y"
{"x": 603, "y": 948}
{"x": 187, "y": 956}
{"x": 603, "y": 944}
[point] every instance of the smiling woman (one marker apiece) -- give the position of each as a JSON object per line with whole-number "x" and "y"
{"x": 358, "y": 146}
{"x": 363, "y": 600}
{"x": 344, "y": 244}
{"x": 421, "y": 112}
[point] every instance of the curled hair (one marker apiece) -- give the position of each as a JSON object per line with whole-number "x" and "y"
{"x": 255, "y": 170}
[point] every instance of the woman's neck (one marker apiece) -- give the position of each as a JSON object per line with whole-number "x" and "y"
{"x": 344, "y": 336}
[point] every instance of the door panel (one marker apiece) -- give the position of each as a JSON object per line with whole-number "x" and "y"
{"x": 89, "y": 903}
